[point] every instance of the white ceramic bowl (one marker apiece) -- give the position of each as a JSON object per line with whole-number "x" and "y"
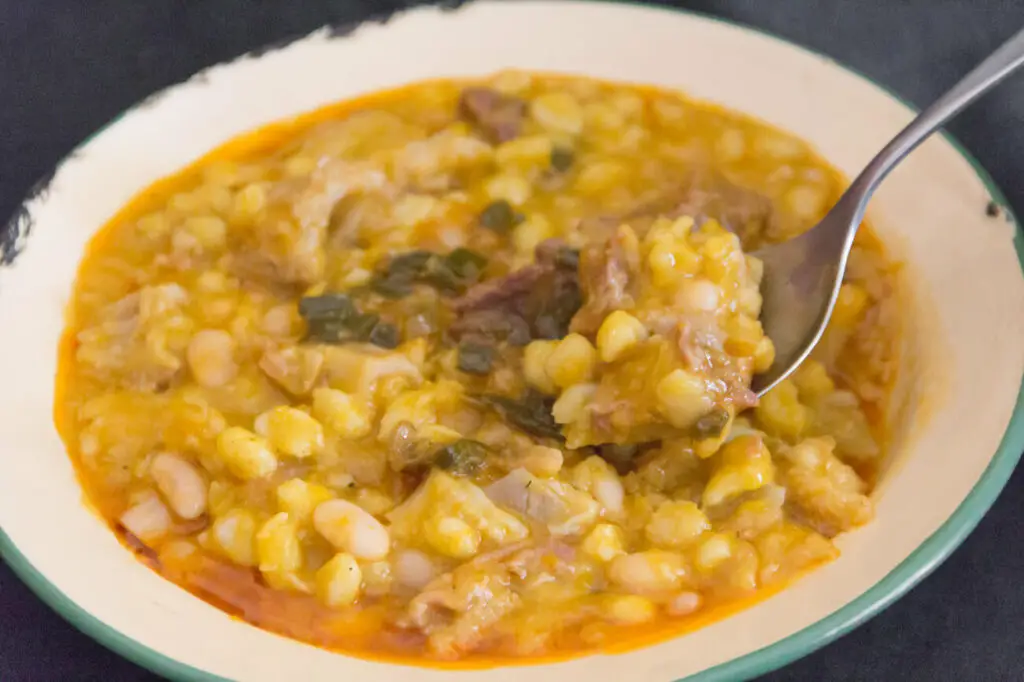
{"x": 963, "y": 426}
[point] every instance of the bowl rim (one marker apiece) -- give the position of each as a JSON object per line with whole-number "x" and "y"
{"x": 925, "y": 558}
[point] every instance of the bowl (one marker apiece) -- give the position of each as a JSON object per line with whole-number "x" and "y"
{"x": 958, "y": 422}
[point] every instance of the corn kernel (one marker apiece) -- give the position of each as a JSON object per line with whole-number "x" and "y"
{"x": 249, "y": 201}
{"x": 744, "y": 336}
{"x": 413, "y": 209}
{"x": 619, "y": 332}
{"x": 720, "y": 253}
{"x": 535, "y": 360}
{"x": 730, "y": 145}
{"x": 234, "y": 534}
{"x": 373, "y": 501}
{"x": 246, "y": 455}
{"x": 341, "y": 413}
{"x": 154, "y": 225}
{"x": 806, "y": 201}
{"x": 649, "y": 572}
{"x": 278, "y": 551}
{"x": 713, "y": 551}
{"x": 853, "y": 300}
{"x": 221, "y": 498}
{"x": 512, "y": 188}
{"x": 571, "y": 404}
{"x": 452, "y": 537}
{"x": 209, "y": 231}
{"x": 339, "y": 580}
{"x": 299, "y": 166}
{"x": 511, "y": 81}
{"x": 755, "y": 269}
{"x": 764, "y": 354}
{"x": 185, "y": 202}
{"x": 599, "y": 178}
{"x": 743, "y": 465}
{"x": 682, "y": 398}
{"x": 669, "y": 260}
{"x": 540, "y": 460}
{"x": 558, "y": 112}
{"x": 531, "y": 232}
{"x": 377, "y": 578}
{"x": 573, "y": 361}
{"x": 299, "y": 498}
{"x": 812, "y": 380}
{"x": 528, "y": 151}
{"x": 291, "y": 432}
{"x": 604, "y": 542}
{"x": 211, "y": 358}
{"x": 676, "y": 525}
{"x": 781, "y": 413}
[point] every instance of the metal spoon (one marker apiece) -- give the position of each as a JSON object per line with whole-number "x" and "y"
{"x": 802, "y": 276}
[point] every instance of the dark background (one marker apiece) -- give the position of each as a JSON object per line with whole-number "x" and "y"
{"x": 69, "y": 66}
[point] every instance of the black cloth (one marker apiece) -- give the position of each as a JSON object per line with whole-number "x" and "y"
{"x": 69, "y": 66}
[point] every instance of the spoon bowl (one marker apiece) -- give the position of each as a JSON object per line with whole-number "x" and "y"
{"x": 802, "y": 276}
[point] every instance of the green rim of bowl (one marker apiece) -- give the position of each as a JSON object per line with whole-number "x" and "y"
{"x": 925, "y": 559}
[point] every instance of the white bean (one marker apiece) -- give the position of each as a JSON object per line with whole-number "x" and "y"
{"x": 610, "y": 494}
{"x": 211, "y": 357}
{"x": 645, "y": 572}
{"x": 413, "y": 568}
{"x": 351, "y": 529}
{"x": 699, "y": 295}
{"x": 683, "y": 604}
{"x": 148, "y": 519}
{"x": 180, "y": 484}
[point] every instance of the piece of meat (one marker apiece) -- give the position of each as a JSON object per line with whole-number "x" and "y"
{"x": 560, "y": 507}
{"x": 295, "y": 369}
{"x": 701, "y": 196}
{"x": 457, "y": 609}
{"x": 497, "y": 116}
{"x": 287, "y": 243}
{"x": 536, "y": 301}
{"x": 607, "y": 270}
{"x": 740, "y": 210}
{"x": 133, "y": 339}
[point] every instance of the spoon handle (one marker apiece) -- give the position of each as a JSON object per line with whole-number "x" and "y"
{"x": 998, "y": 66}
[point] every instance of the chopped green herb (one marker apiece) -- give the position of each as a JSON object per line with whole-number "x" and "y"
{"x": 562, "y": 158}
{"x": 402, "y": 271}
{"x": 411, "y": 262}
{"x": 468, "y": 265}
{"x": 449, "y": 274}
{"x": 333, "y": 318}
{"x": 362, "y": 325}
{"x": 500, "y": 216}
{"x": 712, "y": 423}
{"x": 334, "y": 306}
{"x": 531, "y": 413}
{"x": 384, "y": 335}
{"x": 464, "y": 457}
{"x": 391, "y": 287}
{"x": 475, "y": 358}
